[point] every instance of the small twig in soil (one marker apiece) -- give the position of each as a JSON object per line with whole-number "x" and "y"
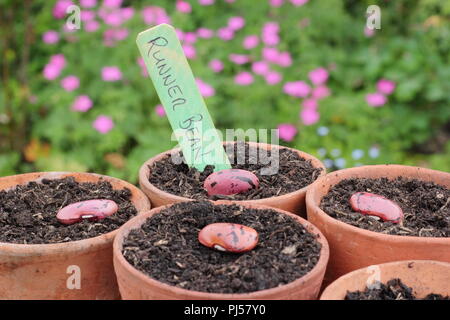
{"x": 446, "y": 203}
{"x": 406, "y": 229}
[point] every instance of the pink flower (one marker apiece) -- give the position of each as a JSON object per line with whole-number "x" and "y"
{"x": 155, "y": 15}
{"x": 287, "y": 131}
{"x": 205, "y": 33}
{"x": 206, "y": 2}
{"x": 180, "y": 34}
{"x": 239, "y": 58}
{"x": 103, "y": 124}
{"x": 284, "y": 59}
{"x": 189, "y": 51}
{"x": 250, "y": 42}
{"x": 297, "y": 89}
{"x": 318, "y": 76}
{"x": 70, "y": 83}
{"x": 51, "y": 71}
{"x": 58, "y": 60}
{"x": 225, "y": 34}
{"x": 270, "y": 54}
{"x": 113, "y": 18}
{"x": 271, "y": 28}
{"x": 127, "y": 13}
{"x": 272, "y": 77}
{"x": 59, "y": 10}
{"x": 205, "y": 89}
{"x": 86, "y": 15}
{"x": 112, "y": 35}
{"x": 88, "y": 3}
{"x": 141, "y": 63}
{"x": 385, "y": 86}
{"x": 159, "y": 109}
{"x": 298, "y": 3}
{"x": 82, "y": 103}
{"x": 309, "y": 104}
{"x": 190, "y": 37}
{"x": 369, "y": 32}
{"x": 112, "y": 3}
{"x": 320, "y": 92}
{"x": 163, "y": 19}
{"x": 50, "y": 37}
{"x": 108, "y": 38}
{"x": 270, "y": 39}
{"x": 111, "y": 74}
{"x": 68, "y": 28}
{"x": 276, "y": 3}
{"x": 309, "y": 116}
{"x": 260, "y": 67}
{"x": 216, "y": 65}
{"x": 244, "y": 78}
{"x": 236, "y": 23}
{"x": 91, "y": 26}
{"x": 121, "y": 34}
{"x": 183, "y": 7}
{"x": 376, "y": 99}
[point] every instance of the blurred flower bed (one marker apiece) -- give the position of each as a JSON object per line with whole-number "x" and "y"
{"x": 81, "y": 100}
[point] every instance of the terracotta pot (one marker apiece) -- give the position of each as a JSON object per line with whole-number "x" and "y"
{"x": 423, "y": 276}
{"x": 351, "y": 247}
{"x": 293, "y": 202}
{"x": 40, "y": 271}
{"x": 135, "y": 285}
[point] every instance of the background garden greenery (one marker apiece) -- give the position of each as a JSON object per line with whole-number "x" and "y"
{"x": 39, "y": 131}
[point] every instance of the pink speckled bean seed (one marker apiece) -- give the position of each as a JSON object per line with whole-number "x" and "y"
{"x": 376, "y": 205}
{"x": 230, "y": 181}
{"x": 91, "y": 209}
{"x": 230, "y": 237}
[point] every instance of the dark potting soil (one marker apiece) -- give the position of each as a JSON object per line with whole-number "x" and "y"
{"x": 425, "y": 205}
{"x": 166, "y": 248}
{"x": 394, "y": 289}
{"x": 28, "y": 212}
{"x": 294, "y": 173}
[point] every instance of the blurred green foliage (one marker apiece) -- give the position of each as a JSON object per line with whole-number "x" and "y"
{"x": 39, "y": 132}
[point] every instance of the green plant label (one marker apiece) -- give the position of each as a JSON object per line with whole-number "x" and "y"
{"x": 181, "y": 98}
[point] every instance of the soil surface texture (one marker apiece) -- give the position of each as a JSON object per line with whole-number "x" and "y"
{"x": 294, "y": 173}
{"x": 425, "y": 205}
{"x": 167, "y": 249}
{"x": 394, "y": 289}
{"x": 28, "y": 212}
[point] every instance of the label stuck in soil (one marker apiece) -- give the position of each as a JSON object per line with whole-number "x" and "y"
{"x": 176, "y": 87}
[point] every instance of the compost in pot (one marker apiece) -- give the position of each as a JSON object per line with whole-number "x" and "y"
{"x": 425, "y": 206}
{"x": 294, "y": 173}
{"x": 28, "y": 213}
{"x": 166, "y": 248}
{"x": 394, "y": 289}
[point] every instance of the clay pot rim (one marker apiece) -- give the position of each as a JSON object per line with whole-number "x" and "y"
{"x": 311, "y": 205}
{"x": 70, "y": 246}
{"x": 326, "y": 294}
{"x": 136, "y": 222}
{"x": 144, "y": 173}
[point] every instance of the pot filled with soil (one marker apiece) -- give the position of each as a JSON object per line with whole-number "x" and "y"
{"x": 56, "y": 233}
{"x": 400, "y": 280}
{"x": 219, "y": 250}
{"x": 383, "y": 213}
{"x": 284, "y": 175}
